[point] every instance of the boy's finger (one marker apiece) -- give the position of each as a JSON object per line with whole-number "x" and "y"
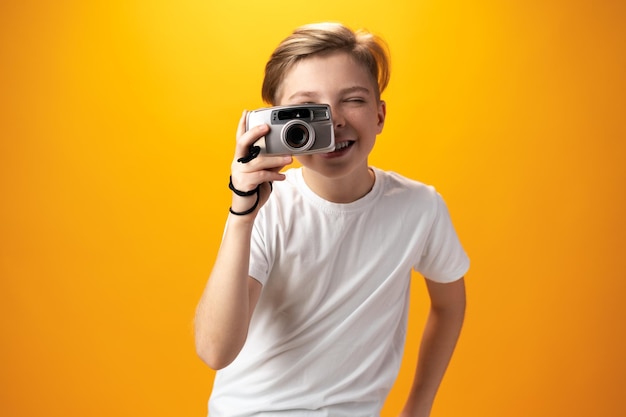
{"x": 241, "y": 127}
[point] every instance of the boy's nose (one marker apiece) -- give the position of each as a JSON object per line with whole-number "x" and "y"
{"x": 338, "y": 119}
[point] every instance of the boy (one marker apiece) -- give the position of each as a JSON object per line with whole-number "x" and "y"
{"x": 305, "y": 310}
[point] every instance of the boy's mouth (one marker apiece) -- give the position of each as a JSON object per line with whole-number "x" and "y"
{"x": 340, "y": 149}
{"x": 343, "y": 145}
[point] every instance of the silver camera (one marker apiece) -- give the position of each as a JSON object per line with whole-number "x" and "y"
{"x": 294, "y": 130}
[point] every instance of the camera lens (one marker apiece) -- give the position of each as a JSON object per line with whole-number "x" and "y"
{"x": 298, "y": 135}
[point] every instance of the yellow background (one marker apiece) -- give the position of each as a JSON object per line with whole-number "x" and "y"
{"x": 117, "y": 125}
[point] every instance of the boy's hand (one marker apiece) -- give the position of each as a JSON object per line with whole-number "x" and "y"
{"x": 248, "y": 173}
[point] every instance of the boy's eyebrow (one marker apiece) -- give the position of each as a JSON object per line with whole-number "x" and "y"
{"x": 356, "y": 89}
{"x": 301, "y": 94}
{"x": 348, "y": 90}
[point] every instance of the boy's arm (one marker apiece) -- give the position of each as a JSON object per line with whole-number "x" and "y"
{"x": 230, "y": 296}
{"x": 228, "y": 301}
{"x": 445, "y": 319}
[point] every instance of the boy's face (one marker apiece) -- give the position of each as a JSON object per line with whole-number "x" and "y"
{"x": 358, "y": 116}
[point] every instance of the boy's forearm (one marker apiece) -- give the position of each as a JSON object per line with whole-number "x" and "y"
{"x": 439, "y": 339}
{"x": 223, "y": 313}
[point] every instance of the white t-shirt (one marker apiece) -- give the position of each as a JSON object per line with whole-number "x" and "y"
{"x": 328, "y": 332}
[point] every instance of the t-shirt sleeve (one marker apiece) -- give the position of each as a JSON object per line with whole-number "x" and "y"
{"x": 259, "y": 253}
{"x": 443, "y": 259}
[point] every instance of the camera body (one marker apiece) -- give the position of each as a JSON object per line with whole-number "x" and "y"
{"x": 294, "y": 130}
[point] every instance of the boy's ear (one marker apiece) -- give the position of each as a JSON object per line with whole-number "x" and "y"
{"x": 382, "y": 113}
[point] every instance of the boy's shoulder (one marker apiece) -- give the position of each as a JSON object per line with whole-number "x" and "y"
{"x": 392, "y": 180}
{"x": 399, "y": 192}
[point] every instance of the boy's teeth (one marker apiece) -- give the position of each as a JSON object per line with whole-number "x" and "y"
{"x": 341, "y": 145}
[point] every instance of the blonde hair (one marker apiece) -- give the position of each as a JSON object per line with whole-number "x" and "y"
{"x": 324, "y": 38}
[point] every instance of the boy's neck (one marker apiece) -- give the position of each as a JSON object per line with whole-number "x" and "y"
{"x": 341, "y": 190}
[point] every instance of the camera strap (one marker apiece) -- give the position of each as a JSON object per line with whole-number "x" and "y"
{"x": 251, "y": 209}
{"x": 240, "y": 193}
{"x": 253, "y": 152}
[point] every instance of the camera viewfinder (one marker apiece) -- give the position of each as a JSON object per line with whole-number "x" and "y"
{"x": 294, "y": 114}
